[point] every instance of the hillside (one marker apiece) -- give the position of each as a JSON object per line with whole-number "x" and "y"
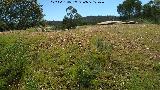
{"x": 113, "y": 57}
{"x": 89, "y": 20}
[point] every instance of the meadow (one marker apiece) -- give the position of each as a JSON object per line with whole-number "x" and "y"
{"x": 108, "y": 57}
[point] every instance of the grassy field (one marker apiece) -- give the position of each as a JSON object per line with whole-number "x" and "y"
{"x": 114, "y": 57}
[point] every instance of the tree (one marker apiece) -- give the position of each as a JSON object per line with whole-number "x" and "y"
{"x": 151, "y": 11}
{"x": 130, "y": 9}
{"x": 72, "y": 19}
{"x": 20, "y": 14}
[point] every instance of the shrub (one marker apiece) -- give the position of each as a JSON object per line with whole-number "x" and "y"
{"x": 85, "y": 72}
{"x": 157, "y": 67}
{"x": 102, "y": 46}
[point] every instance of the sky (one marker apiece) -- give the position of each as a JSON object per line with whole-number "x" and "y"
{"x": 56, "y": 11}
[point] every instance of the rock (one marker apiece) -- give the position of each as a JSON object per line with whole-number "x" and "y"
{"x": 124, "y": 23}
{"x": 109, "y": 22}
{"x": 116, "y": 22}
{"x": 39, "y": 29}
{"x": 131, "y": 22}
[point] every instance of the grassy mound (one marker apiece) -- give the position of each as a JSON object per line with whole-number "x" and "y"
{"x": 115, "y": 57}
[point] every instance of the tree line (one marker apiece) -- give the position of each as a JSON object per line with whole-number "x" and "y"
{"x": 128, "y": 10}
{"x": 133, "y": 9}
{"x": 22, "y": 14}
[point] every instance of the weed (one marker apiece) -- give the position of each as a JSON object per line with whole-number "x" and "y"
{"x": 13, "y": 60}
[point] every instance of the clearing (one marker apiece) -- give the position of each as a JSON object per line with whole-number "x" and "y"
{"x": 113, "y": 57}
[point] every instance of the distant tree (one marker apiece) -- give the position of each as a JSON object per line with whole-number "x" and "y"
{"x": 72, "y": 19}
{"x": 130, "y": 9}
{"x": 151, "y": 11}
{"x": 20, "y": 14}
{"x": 93, "y": 20}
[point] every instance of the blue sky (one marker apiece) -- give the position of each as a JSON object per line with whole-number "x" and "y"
{"x": 56, "y": 11}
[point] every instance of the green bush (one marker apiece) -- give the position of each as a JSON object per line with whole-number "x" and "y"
{"x": 85, "y": 71}
{"x": 157, "y": 67}
{"x": 103, "y": 47}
